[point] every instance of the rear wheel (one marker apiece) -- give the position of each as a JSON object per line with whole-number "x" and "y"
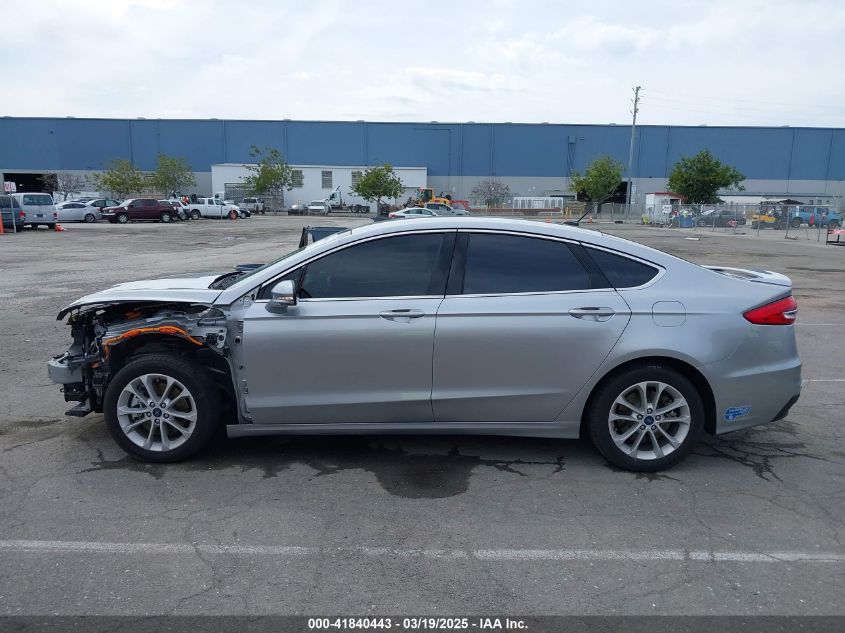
{"x": 162, "y": 408}
{"x": 796, "y": 222}
{"x": 51, "y": 226}
{"x": 646, "y": 418}
{"x": 195, "y": 214}
{"x": 89, "y": 218}
{"x": 166, "y": 217}
{"x": 122, "y": 218}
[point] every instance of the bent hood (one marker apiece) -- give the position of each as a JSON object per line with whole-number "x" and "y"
{"x": 184, "y": 288}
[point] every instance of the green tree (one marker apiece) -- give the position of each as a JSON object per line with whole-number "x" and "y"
{"x": 120, "y": 178}
{"x": 172, "y": 175}
{"x": 601, "y": 179}
{"x": 699, "y": 178}
{"x": 491, "y": 192}
{"x": 377, "y": 183}
{"x": 271, "y": 175}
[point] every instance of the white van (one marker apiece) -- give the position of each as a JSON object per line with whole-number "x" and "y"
{"x": 38, "y": 208}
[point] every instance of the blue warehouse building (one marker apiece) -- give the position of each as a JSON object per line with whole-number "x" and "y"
{"x": 534, "y": 159}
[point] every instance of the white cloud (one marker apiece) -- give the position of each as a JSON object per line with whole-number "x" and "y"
{"x": 740, "y": 62}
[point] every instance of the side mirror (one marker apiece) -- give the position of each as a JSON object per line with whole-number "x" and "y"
{"x": 282, "y": 295}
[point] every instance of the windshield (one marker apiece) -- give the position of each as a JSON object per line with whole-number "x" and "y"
{"x": 317, "y": 203}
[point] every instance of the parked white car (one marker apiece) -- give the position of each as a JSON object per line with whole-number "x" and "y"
{"x": 75, "y": 211}
{"x": 183, "y": 212}
{"x": 319, "y": 207}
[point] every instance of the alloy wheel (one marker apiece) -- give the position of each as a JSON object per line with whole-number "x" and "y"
{"x": 156, "y": 412}
{"x": 649, "y": 420}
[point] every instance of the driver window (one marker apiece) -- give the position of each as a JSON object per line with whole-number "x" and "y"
{"x": 388, "y": 267}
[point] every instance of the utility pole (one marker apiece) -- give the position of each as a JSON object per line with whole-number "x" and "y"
{"x": 636, "y": 102}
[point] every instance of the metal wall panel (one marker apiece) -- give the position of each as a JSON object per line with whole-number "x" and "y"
{"x": 450, "y": 150}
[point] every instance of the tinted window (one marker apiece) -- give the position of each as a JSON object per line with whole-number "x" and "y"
{"x": 509, "y": 263}
{"x": 621, "y": 271}
{"x": 394, "y": 266}
{"x": 7, "y": 202}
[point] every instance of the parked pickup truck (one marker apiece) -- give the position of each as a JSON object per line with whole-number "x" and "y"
{"x": 816, "y": 216}
{"x": 213, "y": 208}
{"x": 254, "y": 205}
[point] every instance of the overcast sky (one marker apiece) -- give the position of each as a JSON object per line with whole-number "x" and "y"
{"x": 711, "y": 62}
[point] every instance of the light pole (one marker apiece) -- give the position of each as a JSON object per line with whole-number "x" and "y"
{"x": 631, "y": 148}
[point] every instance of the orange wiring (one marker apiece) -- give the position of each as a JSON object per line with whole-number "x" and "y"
{"x": 163, "y": 329}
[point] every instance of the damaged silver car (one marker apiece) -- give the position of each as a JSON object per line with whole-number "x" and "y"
{"x": 443, "y": 325}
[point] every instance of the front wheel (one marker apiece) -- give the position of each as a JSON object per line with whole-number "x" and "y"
{"x": 162, "y": 408}
{"x": 646, "y": 418}
{"x": 89, "y": 218}
{"x": 122, "y": 218}
{"x": 796, "y": 223}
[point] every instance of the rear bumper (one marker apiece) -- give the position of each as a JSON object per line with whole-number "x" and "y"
{"x": 746, "y": 398}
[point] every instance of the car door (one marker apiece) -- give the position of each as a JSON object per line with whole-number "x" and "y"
{"x": 525, "y": 322}
{"x": 357, "y": 346}
{"x": 71, "y": 212}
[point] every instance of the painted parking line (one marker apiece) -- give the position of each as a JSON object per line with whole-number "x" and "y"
{"x": 806, "y": 380}
{"x": 503, "y": 555}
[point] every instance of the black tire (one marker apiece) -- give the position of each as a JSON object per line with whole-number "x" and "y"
{"x": 89, "y": 218}
{"x": 122, "y": 218}
{"x": 795, "y": 222}
{"x": 166, "y": 217}
{"x": 197, "y": 381}
{"x": 195, "y": 214}
{"x": 51, "y": 226}
{"x": 603, "y": 400}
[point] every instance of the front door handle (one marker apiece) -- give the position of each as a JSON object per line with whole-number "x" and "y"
{"x": 593, "y": 314}
{"x": 402, "y": 315}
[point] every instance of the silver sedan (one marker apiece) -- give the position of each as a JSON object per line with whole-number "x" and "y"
{"x": 443, "y": 325}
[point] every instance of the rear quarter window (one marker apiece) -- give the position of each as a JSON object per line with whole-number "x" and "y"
{"x": 622, "y": 272}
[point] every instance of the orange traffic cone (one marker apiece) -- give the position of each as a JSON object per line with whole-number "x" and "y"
{"x": 59, "y": 228}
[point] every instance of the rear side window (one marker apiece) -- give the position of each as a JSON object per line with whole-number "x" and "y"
{"x": 390, "y": 267}
{"x": 620, "y": 271}
{"x": 498, "y": 264}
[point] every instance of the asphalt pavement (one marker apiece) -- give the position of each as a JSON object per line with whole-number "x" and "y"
{"x": 752, "y": 523}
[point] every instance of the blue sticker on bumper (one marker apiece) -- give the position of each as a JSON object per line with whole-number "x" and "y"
{"x": 736, "y": 412}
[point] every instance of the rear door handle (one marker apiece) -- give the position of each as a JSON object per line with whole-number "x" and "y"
{"x": 402, "y": 315}
{"x": 593, "y": 314}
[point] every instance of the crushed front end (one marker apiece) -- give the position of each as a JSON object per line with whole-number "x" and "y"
{"x": 105, "y": 337}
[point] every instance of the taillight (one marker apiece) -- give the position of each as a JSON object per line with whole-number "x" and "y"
{"x": 22, "y": 214}
{"x": 780, "y": 312}
{"x": 391, "y": 215}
